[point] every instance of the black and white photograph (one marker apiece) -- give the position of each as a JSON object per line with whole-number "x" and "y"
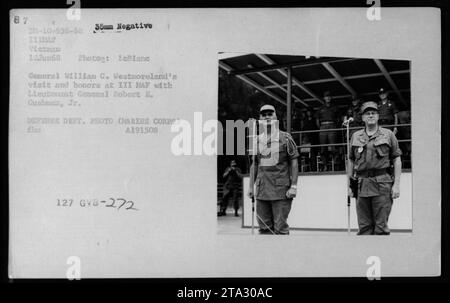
{"x": 322, "y": 105}
{"x": 204, "y": 143}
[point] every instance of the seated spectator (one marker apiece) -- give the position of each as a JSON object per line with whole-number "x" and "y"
{"x": 306, "y": 154}
{"x": 305, "y": 146}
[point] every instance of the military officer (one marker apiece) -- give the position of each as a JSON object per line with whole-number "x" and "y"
{"x": 277, "y": 172}
{"x": 326, "y": 118}
{"x": 354, "y": 111}
{"x": 387, "y": 111}
{"x": 374, "y": 150}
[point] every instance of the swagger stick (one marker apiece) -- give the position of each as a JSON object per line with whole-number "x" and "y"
{"x": 254, "y": 151}
{"x": 347, "y": 124}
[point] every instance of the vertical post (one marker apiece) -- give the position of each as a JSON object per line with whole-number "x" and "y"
{"x": 289, "y": 100}
{"x": 347, "y": 174}
{"x": 254, "y": 153}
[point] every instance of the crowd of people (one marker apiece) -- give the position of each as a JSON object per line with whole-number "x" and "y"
{"x": 321, "y": 139}
{"x": 320, "y": 127}
{"x": 373, "y": 168}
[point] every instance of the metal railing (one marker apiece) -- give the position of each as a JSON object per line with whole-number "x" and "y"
{"x": 315, "y": 149}
{"x": 317, "y": 162}
{"x": 300, "y": 133}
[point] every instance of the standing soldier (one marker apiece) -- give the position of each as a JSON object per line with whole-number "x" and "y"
{"x": 326, "y": 118}
{"x": 387, "y": 110}
{"x": 354, "y": 111}
{"x": 373, "y": 151}
{"x": 277, "y": 172}
{"x": 232, "y": 184}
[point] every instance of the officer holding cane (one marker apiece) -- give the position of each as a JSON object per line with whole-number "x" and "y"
{"x": 277, "y": 172}
{"x": 375, "y": 160}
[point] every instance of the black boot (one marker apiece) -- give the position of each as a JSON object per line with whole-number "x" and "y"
{"x": 236, "y": 213}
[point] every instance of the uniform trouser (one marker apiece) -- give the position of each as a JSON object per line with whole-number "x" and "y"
{"x": 327, "y": 137}
{"x": 373, "y": 214}
{"x": 273, "y": 215}
{"x": 230, "y": 193}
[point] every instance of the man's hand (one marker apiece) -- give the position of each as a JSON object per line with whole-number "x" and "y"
{"x": 291, "y": 193}
{"x": 395, "y": 130}
{"x": 350, "y": 193}
{"x": 395, "y": 191}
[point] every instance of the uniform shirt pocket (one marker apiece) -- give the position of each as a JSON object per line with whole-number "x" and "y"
{"x": 382, "y": 147}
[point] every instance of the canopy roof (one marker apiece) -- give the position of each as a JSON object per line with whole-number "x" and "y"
{"x": 312, "y": 76}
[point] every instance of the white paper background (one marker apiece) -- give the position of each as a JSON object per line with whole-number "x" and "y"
{"x": 174, "y": 233}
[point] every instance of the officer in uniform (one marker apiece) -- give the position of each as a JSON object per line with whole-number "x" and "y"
{"x": 233, "y": 178}
{"x": 277, "y": 172}
{"x": 387, "y": 111}
{"x": 373, "y": 151}
{"x": 326, "y": 118}
{"x": 354, "y": 111}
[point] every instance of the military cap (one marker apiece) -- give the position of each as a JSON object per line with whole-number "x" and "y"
{"x": 368, "y": 105}
{"x": 267, "y": 107}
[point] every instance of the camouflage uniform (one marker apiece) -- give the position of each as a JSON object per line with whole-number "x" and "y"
{"x": 273, "y": 181}
{"x": 372, "y": 157}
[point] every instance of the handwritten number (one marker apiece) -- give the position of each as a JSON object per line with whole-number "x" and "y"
{"x": 113, "y": 202}
{"x": 124, "y": 201}
{"x": 131, "y": 207}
